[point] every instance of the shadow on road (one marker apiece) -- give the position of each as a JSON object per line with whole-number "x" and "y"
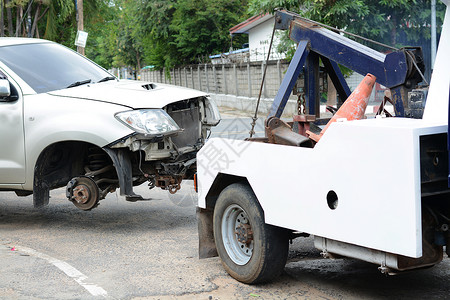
{"x": 360, "y": 280}
{"x": 113, "y": 215}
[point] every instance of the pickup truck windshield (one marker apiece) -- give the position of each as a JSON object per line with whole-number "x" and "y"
{"x": 47, "y": 67}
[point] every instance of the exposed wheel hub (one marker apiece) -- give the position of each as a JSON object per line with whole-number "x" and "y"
{"x": 244, "y": 233}
{"x": 83, "y": 192}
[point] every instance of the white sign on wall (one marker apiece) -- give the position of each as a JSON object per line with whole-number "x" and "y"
{"x": 81, "y": 38}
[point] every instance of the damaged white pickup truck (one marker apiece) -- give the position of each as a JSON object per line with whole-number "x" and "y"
{"x": 65, "y": 121}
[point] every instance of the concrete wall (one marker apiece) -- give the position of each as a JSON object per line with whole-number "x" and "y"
{"x": 238, "y": 85}
{"x": 246, "y": 104}
{"x": 231, "y": 85}
{"x": 243, "y": 80}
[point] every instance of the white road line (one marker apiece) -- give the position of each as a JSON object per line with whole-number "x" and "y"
{"x": 70, "y": 271}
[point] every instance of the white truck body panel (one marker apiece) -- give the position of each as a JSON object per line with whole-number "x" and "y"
{"x": 372, "y": 166}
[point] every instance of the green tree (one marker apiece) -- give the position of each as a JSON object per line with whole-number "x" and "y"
{"x": 201, "y": 27}
{"x": 102, "y": 25}
{"x": 380, "y": 20}
{"x": 162, "y": 33}
{"x": 159, "y": 44}
{"x": 130, "y": 35}
{"x": 58, "y": 20}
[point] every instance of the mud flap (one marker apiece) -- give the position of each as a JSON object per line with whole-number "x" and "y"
{"x": 206, "y": 244}
{"x": 41, "y": 186}
{"x": 122, "y": 163}
{"x": 41, "y": 194}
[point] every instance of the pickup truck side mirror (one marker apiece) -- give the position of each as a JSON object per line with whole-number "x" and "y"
{"x": 5, "y": 90}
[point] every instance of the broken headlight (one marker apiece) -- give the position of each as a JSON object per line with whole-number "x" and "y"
{"x": 149, "y": 121}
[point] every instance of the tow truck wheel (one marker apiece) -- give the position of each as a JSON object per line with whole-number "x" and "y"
{"x": 251, "y": 251}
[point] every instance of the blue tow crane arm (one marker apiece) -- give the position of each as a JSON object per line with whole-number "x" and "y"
{"x": 395, "y": 70}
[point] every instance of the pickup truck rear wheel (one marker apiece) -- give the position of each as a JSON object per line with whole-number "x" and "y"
{"x": 251, "y": 251}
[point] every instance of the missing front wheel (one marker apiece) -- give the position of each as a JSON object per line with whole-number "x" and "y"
{"x": 83, "y": 192}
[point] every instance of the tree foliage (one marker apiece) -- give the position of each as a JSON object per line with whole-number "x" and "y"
{"x": 380, "y": 20}
{"x": 202, "y": 27}
{"x": 160, "y": 49}
{"x": 166, "y": 33}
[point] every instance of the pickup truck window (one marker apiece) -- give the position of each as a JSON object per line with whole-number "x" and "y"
{"x": 47, "y": 67}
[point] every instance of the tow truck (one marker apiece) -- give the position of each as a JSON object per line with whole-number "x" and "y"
{"x": 374, "y": 189}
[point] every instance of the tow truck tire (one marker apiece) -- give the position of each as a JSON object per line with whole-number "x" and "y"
{"x": 251, "y": 250}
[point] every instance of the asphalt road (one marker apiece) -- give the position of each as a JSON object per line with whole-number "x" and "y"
{"x": 148, "y": 250}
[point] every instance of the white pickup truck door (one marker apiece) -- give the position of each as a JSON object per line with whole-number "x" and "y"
{"x": 12, "y": 143}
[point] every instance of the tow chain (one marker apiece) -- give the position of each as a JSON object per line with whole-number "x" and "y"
{"x": 255, "y": 117}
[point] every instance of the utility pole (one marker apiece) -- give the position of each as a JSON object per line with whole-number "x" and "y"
{"x": 433, "y": 32}
{"x": 80, "y": 22}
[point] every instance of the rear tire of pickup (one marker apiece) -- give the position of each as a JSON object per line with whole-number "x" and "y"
{"x": 251, "y": 250}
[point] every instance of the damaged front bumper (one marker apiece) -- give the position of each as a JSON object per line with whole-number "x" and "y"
{"x": 164, "y": 160}
{"x": 157, "y": 161}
